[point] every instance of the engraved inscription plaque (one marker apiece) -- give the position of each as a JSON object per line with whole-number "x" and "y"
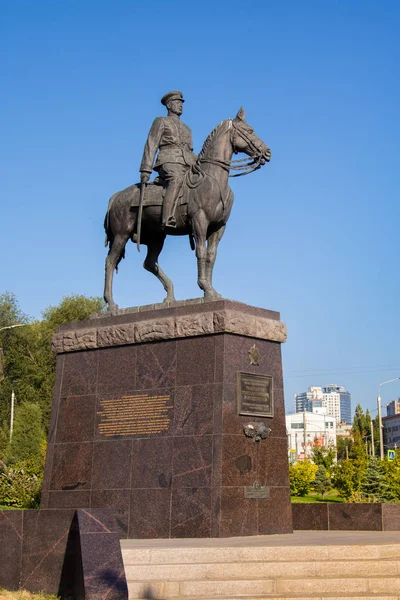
{"x": 256, "y": 491}
{"x": 254, "y": 395}
{"x": 140, "y": 414}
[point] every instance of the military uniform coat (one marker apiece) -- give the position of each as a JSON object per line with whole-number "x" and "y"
{"x": 173, "y": 139}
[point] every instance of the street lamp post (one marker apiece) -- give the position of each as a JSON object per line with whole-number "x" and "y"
{"x": 372, "y": 436}
{"x": 12, "y": 391}
{"x": 380, "y": 414}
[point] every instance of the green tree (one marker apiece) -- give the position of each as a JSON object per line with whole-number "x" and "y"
{"x": 362, "y": 425}
{"x": 10, "y": 312}
{"x": 392, "y": 475}
{"x": 12, "y": 349}
{"x": 322, "y": 483}
{"x": 343, "y": 447}
{"x": 357, "y": 451}
{"x": 72, "y": 308}
{"x": 359, "y": 420}
{"x": 323, "y": 456}
{"x": 374, "y": 486}
{"x": 301, "y": 475}
{"x": 347, "y": 477}
{"x": 28, "y": 435}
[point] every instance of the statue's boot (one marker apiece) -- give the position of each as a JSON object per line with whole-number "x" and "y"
{"x": 171, "y": 195}
{"x": 171, "y": 222}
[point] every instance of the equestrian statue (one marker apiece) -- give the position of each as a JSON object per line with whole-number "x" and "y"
{"x": 191, "y": 195}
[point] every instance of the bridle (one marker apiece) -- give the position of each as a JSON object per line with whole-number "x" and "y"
{"x": 245, "y": 165}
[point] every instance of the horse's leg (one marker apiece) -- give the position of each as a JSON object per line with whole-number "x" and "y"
{"x": 114, "y": 256}
{"x": 154, "y": 248}
{"x": 212, "y": 246}
{"x": 200, "y": 226}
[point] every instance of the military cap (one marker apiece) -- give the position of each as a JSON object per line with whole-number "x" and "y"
{"x": 175, "y": 95}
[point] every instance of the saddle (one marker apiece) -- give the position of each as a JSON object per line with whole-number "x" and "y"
{"x": 155, "y": 191}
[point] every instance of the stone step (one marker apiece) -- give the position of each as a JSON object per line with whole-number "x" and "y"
{"x": 265, "y": 588}
{"x": 308, "y": 566}
{"x": 268, "y": 588}
{"x": 183, "y": 555}
{"x": 342, "y": 585}
{"x": 260, "y": 570}
{"x": 285, "y": 597}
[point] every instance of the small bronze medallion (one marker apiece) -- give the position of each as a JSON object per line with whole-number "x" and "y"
{"x": 254, "y": 355}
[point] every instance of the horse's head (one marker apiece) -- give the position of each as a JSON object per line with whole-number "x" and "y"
{"x": 245, "y": 140}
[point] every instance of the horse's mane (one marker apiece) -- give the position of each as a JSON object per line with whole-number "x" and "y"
{"x": 209, "y": 139}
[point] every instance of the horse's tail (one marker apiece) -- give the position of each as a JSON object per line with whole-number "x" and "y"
{"x": 109, "y": 233}
{"x": 109, "y": 240}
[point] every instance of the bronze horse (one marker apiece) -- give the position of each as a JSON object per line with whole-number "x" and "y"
{"x": 204, "y": 207}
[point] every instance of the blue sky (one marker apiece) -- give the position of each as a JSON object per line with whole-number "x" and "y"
{"x": 80, "y": 86}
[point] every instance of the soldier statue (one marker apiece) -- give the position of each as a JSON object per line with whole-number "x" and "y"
{"x": 173, "y": 141}
{"x": 207, "y": 198}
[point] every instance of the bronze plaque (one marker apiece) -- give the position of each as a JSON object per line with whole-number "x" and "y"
{"x": 140, "y": 414}
{"x": 256, "y": 491}
{"x": 254, "y": 395}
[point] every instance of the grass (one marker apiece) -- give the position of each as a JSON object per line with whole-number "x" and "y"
{"x": 315, "y": 497}
{"x": 22, "y": 595}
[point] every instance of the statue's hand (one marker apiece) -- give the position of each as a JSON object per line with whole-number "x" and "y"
{"x": 144, "y": 177}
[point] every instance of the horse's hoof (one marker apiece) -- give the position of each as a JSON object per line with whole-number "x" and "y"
{"x": 112, "y": 308}
{"x": 169, "y": 299}
{"x": 212, "y": 295}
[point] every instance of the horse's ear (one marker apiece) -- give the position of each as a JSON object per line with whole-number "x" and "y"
{"x": 241, "y": 114}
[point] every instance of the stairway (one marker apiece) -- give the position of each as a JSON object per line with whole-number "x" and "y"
{"x": 306, "y": 565}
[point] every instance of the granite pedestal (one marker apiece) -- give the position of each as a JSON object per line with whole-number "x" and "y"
{"x": 145, "y": 421}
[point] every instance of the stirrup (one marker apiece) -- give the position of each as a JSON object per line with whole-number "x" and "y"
{"x": 170, "y": 222}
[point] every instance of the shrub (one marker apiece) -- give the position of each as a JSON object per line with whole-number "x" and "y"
{"x": 20, "y": 484}
{"x": 301, "y": 474}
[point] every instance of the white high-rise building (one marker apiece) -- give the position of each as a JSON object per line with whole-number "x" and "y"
{"x": 307, "y": 401}
{"x": 337, "y": 403}
{"x": 332, "y": 397}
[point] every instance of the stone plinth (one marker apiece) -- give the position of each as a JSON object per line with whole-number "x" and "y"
{"x": 145, "y": 421}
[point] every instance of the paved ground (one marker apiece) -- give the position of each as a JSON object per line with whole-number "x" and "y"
{"x": 298, "y": 538}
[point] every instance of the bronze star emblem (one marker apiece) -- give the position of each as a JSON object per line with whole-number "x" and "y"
{"x": 254, "y": 355}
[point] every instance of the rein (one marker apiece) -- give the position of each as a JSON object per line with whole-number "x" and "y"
{"x": 249, "y": 165}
